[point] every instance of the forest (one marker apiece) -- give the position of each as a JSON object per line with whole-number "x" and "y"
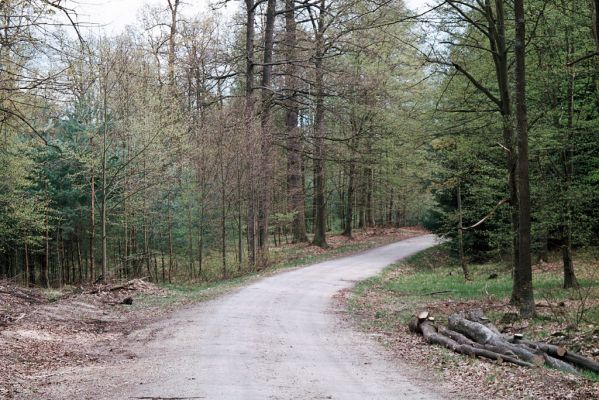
{"x": 185, "y": 149}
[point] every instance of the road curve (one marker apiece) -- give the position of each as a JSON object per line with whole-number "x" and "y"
{"x": 278, "y": 338}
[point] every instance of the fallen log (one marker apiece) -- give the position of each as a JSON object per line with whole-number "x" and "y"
{"x": 472, "y": 334}
{"x": 458, "y": 337}
{"x": 432, "y": 336}
{"x": 487, "y": 336}
{"x": 561, "y": 353}
{"x": 559, "y": 364}
{"x": 129, "y": 285}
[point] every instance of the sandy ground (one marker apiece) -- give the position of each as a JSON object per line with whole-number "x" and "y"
{"x": 279, "y": 338}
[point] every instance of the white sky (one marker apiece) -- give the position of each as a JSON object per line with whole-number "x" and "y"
{"x": 116, "y": 14}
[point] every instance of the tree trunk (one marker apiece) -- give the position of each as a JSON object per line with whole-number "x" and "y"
{"x": 170, "y": 240}
{"x": 525, "y": 290}
{"x": 248, "y": 115}
{"x": 319, "y": 151}
{"x": 239, "y": 224}
{"x": 568, "y": 160}
{"x": 44, "y": 281}
{"x": 461, "y": 234}
{"x": 569, "y": 276}
{"x": 103, "y": 214}
{"x": 173, "y": 6}
{"x": 295, "y": 187}
{"x": 349, "y": 216}
{"x": 499, "y": 46}
{"x": 92, "y": 230}
{"x": 264, "y": 194}
{"x": 201, "y": 242}
{"x": 190, "y": 239}
{"x": 79, "y": 258}
{"x": 223, "y": 218}
{"x": 368, "y": 172}
{"x": 27, "y": 279}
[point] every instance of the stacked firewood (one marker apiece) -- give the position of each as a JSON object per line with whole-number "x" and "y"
{"x": 472, "y": 333}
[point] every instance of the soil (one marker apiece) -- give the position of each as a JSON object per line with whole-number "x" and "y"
{"x": 39, "y": 335}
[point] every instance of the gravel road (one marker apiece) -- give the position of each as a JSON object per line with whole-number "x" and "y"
{"x": 278, "y": 338}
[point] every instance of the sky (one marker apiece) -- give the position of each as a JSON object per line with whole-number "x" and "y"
{"x": 116, "y": 14}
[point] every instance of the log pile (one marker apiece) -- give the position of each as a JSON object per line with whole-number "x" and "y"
{"x": 134, "y": 284}
{"x": 471, "y": 333}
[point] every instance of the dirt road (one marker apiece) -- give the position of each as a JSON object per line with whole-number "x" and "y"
{"x": 278, "y": 338}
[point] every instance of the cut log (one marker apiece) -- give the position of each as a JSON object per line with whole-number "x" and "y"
{"x": 129, "y": 285}
{"x": 473, "y": 334}
{"x": 562, "y": 353}
{"x": 413, "y": 325}
{"x": 429, "y": 331}
{"x": 423, "y": 315}
{"x": 582, "y": 362}
{"x": 461, "y": 339}
{"x": 485, "y": 335}
{"x": 559, "y": 364}
{"x": 477, "y": 315}
{"x": 555, "y": 351}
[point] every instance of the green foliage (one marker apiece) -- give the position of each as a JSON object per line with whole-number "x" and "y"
{"x": 562, "y": 105}
{"x": 22, "y": 208}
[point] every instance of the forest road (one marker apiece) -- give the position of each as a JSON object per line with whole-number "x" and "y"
{"x": 278, "y": 338}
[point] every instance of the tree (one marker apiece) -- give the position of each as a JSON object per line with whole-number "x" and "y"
{"x": 523, "y": 287}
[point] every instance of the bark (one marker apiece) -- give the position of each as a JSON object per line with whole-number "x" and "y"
{"x": 563, "y": 354}
{"x": 239, "y": 223}
{"x": 103, "y": 211}
{"x": 44, "y": 281}
{"x": 569, "y": 275}
{"x": 471, "y": 333}
{"x": 170, "y": 240}
{"x": 190, "y": 240}
{"x": 295, "y": 187}
{"x": 523, "y": 265}
{"x": 465, "y": 270}
{"x": 319, "y": 151}
{"x": 570, "y": 280}
{"x": 499, "y": 45}
{"x": 349, "y": 215}
{"x": 79, "y": 259}
{"x": 27, "y": 278}
{"x": 223, "y": 214}
{"x": 201, "y": 243}
{"x": 264, "y": 194}
{"x": 390, "y": 209}
{"x": 429, "y": 331}
{"x": 173, "y": 6}
{"x": 368, "y": 172}
{"x": 249, "y": 109}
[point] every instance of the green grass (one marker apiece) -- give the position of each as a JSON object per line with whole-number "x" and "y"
{"x": 590, "y": 375}
{"x": 436, "y": 273}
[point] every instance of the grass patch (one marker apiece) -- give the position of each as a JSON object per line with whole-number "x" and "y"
{"x": 435, "y": 273}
